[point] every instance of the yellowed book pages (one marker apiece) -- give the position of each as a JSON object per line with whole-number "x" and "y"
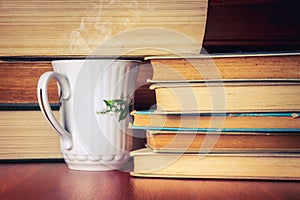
{"x": 101, "y": 27}
{"x": 228, "y": 96}
{"x": 16, "y": 75}
{"x": 189, "y": 141}
{"x": 27, "y": 135}
{"x": 258, "y": 66}
{"x": 274, "y": 166}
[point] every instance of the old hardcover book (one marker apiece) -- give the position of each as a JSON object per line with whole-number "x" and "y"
{"x": 19, "y": 81}
{"x": 189, "y": 141}
{"x": 274, "y": 166}
{"x": 220, "y": 122}
{"x": 271, "y": 65}
{"x": 27, "y": 135}
{"x": 19, "y": 78}
{"x": 92, "y": 27}
{"x": 232, "y": 96}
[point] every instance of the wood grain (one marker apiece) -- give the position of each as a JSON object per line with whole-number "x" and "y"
{"x": 56, "y": 181}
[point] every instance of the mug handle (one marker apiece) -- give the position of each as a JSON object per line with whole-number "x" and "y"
{"x": 42, "y": 91}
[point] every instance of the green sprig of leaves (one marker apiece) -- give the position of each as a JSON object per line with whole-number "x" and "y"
{"x": 116, "y": 106}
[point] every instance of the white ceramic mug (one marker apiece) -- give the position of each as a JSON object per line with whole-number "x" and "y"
{"x": 95, "y": 98}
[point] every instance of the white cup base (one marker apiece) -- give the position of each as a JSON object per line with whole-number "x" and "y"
{"x": 96, "y": 165}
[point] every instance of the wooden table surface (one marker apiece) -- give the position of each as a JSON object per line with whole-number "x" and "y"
{"x": 55, "y": 181}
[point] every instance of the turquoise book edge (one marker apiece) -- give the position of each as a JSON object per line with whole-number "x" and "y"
{"x": 262, "y": 130}
{"x": 250, "y": 114}
{"x": 257, "y": 114}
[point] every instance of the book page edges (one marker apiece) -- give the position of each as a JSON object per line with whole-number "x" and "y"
{"x": 134, "y": 174}
{"x": 224, "y": 83}
{"x": 149, "y": 152}
{"x": 225, "y": 55}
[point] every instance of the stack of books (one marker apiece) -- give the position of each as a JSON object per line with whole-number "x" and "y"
{"x": 222, "y": 116}
{"x": 24, "y": 132}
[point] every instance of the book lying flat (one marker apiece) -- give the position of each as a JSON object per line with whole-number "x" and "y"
{"x": 27, "y": 135}
{"x": 189, "y": 141}
{"x": 274, "y": 166}
{"x": 264, "y": 65}
{"x": 232, "y": 96}
{"x": 93, "y": 27}
{"x": 15, "y": 74}
{"x": 217, "y": 122}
